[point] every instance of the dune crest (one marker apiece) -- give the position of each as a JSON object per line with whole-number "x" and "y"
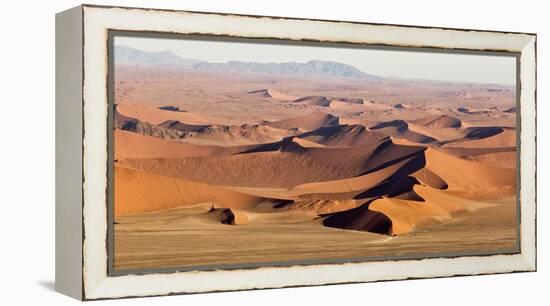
{"x": 272, "y": 93}
{"x": 311, "y": 121}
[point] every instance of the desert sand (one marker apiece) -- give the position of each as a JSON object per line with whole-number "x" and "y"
{"x": 216, "y": 168}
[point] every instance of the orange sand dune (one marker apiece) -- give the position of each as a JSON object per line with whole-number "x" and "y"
{"x": 461, "y": 174}
{"x": 507, "y": 138}
{"x": 357, "y": 121}
{"x": 132, "y": 145}
{"x": 138, "y": 191}
{"x": 272, "y": 93}
{"x": 318, "y": 207}
{"x": 439, "y": 121}
{"x": 307, "y": 143}
{"x": 406, "y": 215}
{"x": 155, "y": 115}
{"x": 360, "y": 219}
{"x": 452, "y": 134}
{"x": 287, "y": 167}
{"x": 182, "y": 127}
{"x": 468, "y": 152}
{"x": 237, "y": 135}
{"x": 344, "y": 135}
{"x": 401, "y": 106}
{"x": 476, "y": 111}
{"x": 400, "y": 129}
{"x": 363, "y": 182}
{"x": 314, "y": 101}
{"x": 500, "y": 159}
{"x": 427, "y": 177}
{"x": 311, "y": 121}
{"x": 350, "y": 100}
{"x": 339, "y": 189}
{"x": 339, "y": 105}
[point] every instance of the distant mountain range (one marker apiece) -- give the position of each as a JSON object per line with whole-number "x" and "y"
{"x": 131, "y": 56}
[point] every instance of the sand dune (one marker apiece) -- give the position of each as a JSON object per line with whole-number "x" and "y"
{"x": 311, "y": 121}
{"x": 461, "y": 174}
{"x": 137, "y": 191}
{"x": 500, "y": 159}
{"x": 474, "y": 111}
{"x": 287, "y": 167}
{"x": 344, "y": 135}
{"x": 361, "y": 219}
{"x": 244, "y": 134}
{"x": 399, "y": 168}
{"x": 407, "y": 215}
{"x": 307, "y": 143}
{"x": 182, "y": 127}
{"x": 314, "y": 101}
{"x": 400, "y": 129}
{"x": 427, "y": 177}
{"x": 468, "y": 152}
{"x": 157, "y": 116}
{"x": 350, "y": 100}
{"x": 401, "y": 106}
{"x": 271, "y": 93}
{"x": 339, "y": 105}
{"x": 439, "y": 121}
{"x": 394, "y": 216}
{"x": 511, "y": 110}
{"x": 207, "y": 172}
{"x": 504, "y": 139}
{"x": 150, "y": 147}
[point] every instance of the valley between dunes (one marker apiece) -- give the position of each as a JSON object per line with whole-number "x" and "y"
{"x": 300, "y": 174}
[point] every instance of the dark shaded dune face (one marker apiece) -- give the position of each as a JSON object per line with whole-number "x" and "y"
{"x": 400, "y": 183}
{"x": 402, "y": 188}
{"x": 260, "y": 92}
{"x": 511, "y": 110}
{"x": 171, "y": 108}
{"x": 427, "y": 177}
{"x": 134, "y": 125}
{"x": 400, "y": 129}
{"x": 351, "y": 100}
{"x": 226, "y": 216}
{"x": 314, "y": 100}
{"x": 307, "y": 122}
{"x": 482, "y": 132}
{"x": 389, "y": 153}
{"x": 439, "y": 121}
{"x": 398, "y": 125}
{"x": 344, "y": 135}
{"x": 360, "y": 219}
{"x": 180, "y": 126}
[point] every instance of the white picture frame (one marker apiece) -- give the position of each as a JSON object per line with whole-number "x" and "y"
{"x": 82, "y": 150}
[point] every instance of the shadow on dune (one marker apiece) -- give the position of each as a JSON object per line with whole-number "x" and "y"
{"x": 400, "y": 183}
{"x": 360, "y": 219}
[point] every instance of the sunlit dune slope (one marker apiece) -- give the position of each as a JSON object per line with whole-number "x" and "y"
{"x": 137, "y": 191}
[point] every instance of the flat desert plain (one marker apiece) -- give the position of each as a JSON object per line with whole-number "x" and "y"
{"x": 222, "y": 169}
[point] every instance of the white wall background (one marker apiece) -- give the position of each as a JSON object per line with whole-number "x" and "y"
{"x": 27, "y": 153}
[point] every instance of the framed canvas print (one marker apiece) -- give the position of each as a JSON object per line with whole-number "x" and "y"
{"x": 200, "y": 152}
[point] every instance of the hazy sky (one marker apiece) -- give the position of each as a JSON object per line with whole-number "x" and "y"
{"x": 389, "y": 63}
